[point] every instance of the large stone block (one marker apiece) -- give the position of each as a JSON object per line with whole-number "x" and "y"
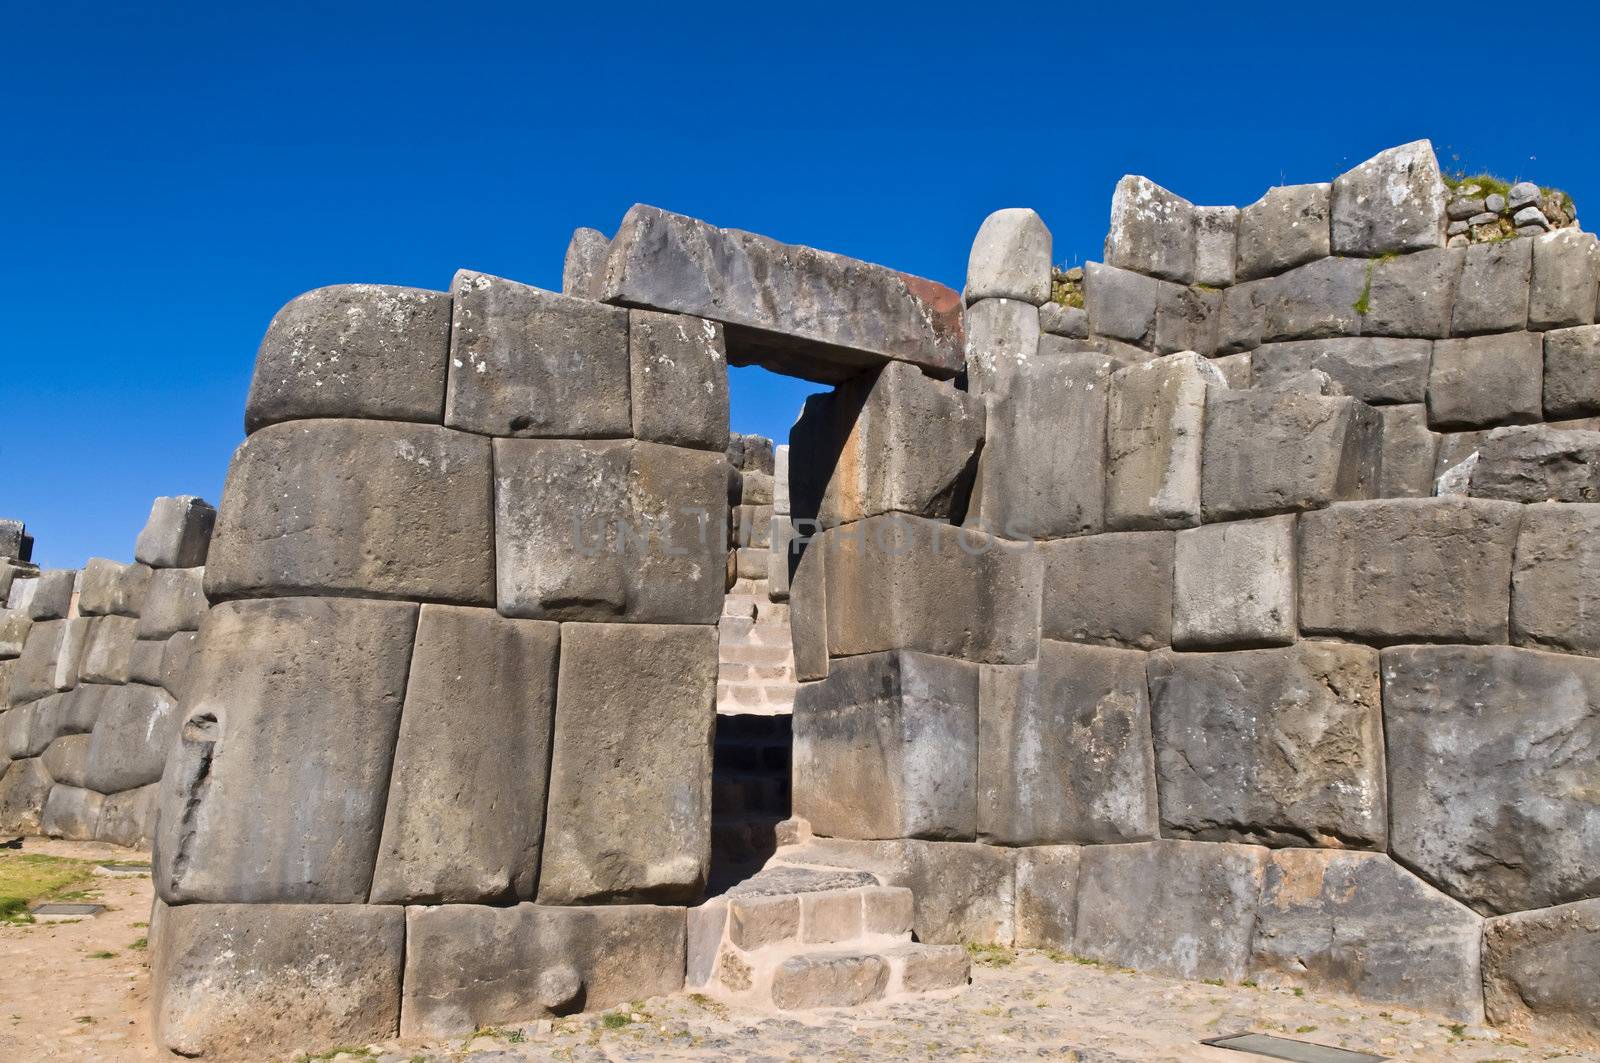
{"x": 585, "y": 263}
{"x": 466, "y": 797}
{"x": 1408, "y": 453}
{"x": 527, "y": 362}
{"x": 1064, "y": 751}
{"x": 1086, "y": 582}
{"x": 50, "y": 658}
{"x": 1372, "y": 369}
{"x": 808, "y": 604}
{"x": 1538, "y": 972}
{"x": 1152, "y": 231}
{"x": 1241, "y": 319}
{"x": 1493, "y": 752}
{"x": 275, "y": 789}
{"x": 819, "y": 315}
{"x": 67, "y": 760}
{"x": 829, "y": 979}
{"x": 1154, "y": 421}
{"x": 1274, "y": 451}
{"x": 1537, "y": 463}
{"x": 1285, "y": 228}
{"x": 1047, "y": 896}
{"x": 381, "y": 510}
{"x": 176, "y": 661}
{"x": 15, "y": 542}
{"x": 111, "y": 588}
{"x": 71, "y": 812}
{"x": 1216, "y": 241}
{"x": 1010, "y": 258}
{"x": 129, "y": 818}
{"x": 1413, "y": 295}
{"x": 1555, "y": 579}
{"x": 1395, "y": 201}
{"x": 1273, "y": 746}
{"x": 1170, "y": 907}
{"x": 889, "y": 441}
{"x": 1485, "y": 380}
{"x": 1359, "y": 923}
{"x": 176, "y": 602}
{"x": 679, "y": 368}
{"x": 1408, "y": 569}
{"x": 1121, "y": 303}
{"x": 24, "y": 788}
{"x": 1319, "y": 298}
{"x": 1572, "y": 372}
{"x": 262, "y": 980}
{"x": 178, "y": 533}
{"x": 1234, "y": 585}
{"x": 629, "y": 814}
{"x": 107, "y": 654}
{"x": 352, "y": 350}
{"x": 1493, "y": 293}
{"x": 1566, "y": 265}
{"x": 468, "y": 967}
{"x": 1186, "y": 319}
{"x": 887, "y": 747}
{"x": 14, "y": 628}
{"x": 1001, "y": 334}
{"x": 609, "y": 530}
{"x": 144, "y": 661}
{"x": 50, "y": 595}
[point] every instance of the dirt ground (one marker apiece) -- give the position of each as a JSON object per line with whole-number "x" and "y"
{"x": 62, "y": 998}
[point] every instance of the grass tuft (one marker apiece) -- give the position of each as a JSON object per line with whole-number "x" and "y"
{"x": 27, "y": 878}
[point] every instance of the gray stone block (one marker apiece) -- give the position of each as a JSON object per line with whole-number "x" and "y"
{"x": 1358, "y": 923}
{"x": 129, "y": 818}
{"x": 1001, "y": 334}
{"x": 1493, "y": 752}
{"x": 1063, "y": 749}
{"x": 808, "y": 605}
{"x": 1235, "y": 370}
{"x": 527, "y": 362}
{"x": 14, "y": 628}
{"x": 679, "y": 368}
{"x": 275, "y": 789}
{"x": 175, "y": 602}
{"x": 50, "y": 658}
{"x": 71, "y": 812}
{"x": 1408, "y": 569}
{"x": 1154, "y": 419}
{"x": 629, "y": 814}
{"x": 67, "y": 760}
{"x": 1409, "y": 452}
{"x": 829, "y": 979}
{"x": 381, "y": 510}
{"x": 176, "y": 661}
{"x": 1069, "y": 322}
{"x": 887, "y": 747}
{"x": 352, "y": 350}
{"x": 1271, "y": 746}
{"x": 24, "y": 788}
{"x": 1555, "y": 579}
{"x": 269, "y": 979}
{"x": 12, "y": 536}
{"x": 1372, "y": 369}
{"x": 1120, "y": 303}
{"x": 1216, "y": 239}
{"x": 51, "y": 596}
{"x": 1234, "y": 585}
{"x": 1086, "y": 583}
{"x": 1537, "y": 463}
{"x": 1178, "y": 908}
{"x": 1186, "y": 319}
{"x": 1152, "y": 231}
{"x": 1284, "y": 228}
{"x": 1493, "y": 293}
{"x": 1010, "y": 258}
{"x": 144, "y": 661}
{"x": 1484, "y": 380}
{"x": 178, "y": 533}
{"x": 1536, "y": 972}
{"x": 1317, "y": 299}
{"x": 1413, "y": 295}
{"x": 112, "y": 588}
{"x": 1395, "y": 201}
{"x": 1047, "y": 896}
{"x": 583, "y": 268}
{"x": 1566, "y": 266}
{"x": 109, "y": 648}
{"x": 1572, "y": 372}
{"x": 1241, "y": 318}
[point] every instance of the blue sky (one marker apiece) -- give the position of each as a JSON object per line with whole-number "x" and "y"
{"x": 172, "y": 175}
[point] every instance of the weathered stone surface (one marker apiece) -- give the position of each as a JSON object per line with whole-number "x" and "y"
{"x": 1241, "y": 319}
{"x": 1408, "y": 569}
{"x": 930, "y": 968}
{"x": 382, "y": 510}
{"x": 1171, "y": 907}
{"x": 585, "y": 263}
{"x": 886, "y": 747}
{"x": 12, "y": 534}
{"x": 1493, "y": 293}
{"x": 1234, "y": 585}
{"x": 1566, "y": 265}
{"x": 1409, "y": 451}
{"x": 609, "y": 530}
{"x": 1001, "y": 335}
{"x": 129, "y": 818}
{"x": 1186, "y": 319}
{"x": 1273, "y": 746}
{"x": 178, "y": 533}
{"x": 1086, "y": 583}
{"x": 1120, "y": 303}
{"x": 1064, "y": 750}
{"x": 24, "y": 788}
{"x": 906, "y": 583}
{"x": 469, "y": 966}
{"x": 1493, "y": 752}
{"x": 1070, "y": 322}
{"x": 352, "y": 350}
{"x": 1372, "y": 369}
{"x": 1359, "y": 923}
{"x": 1152, "y": 231}
{"x": 262, "y": 980}
{"x": 1043, "y": 462}
{"x": 1154, "y": 420}
{"x": 144, "y": 662}
{"x": 828, "y": 918}
{"x": 752, "y": 527}
{"x": 1572, "y": 372}
{"x": 1235, "y": 369}
{"x": 1555, "y": 579}
{"x": 1413, "y": 295}
{"x": 889, "y": 441}
{"x": 764, "y": 920}
{"x": 1395, "y": 201}
{"x": 1484, "y": 380}
{"x": 818, "y": 315}
{"x": 67, "y": 760}
{"x": 1538, "y": 972}
{"x": 829, "y": 980}
{"x": 50, "y": 659}
{"x": 1316, "y": 299}
{"x": 110, "y": 645}
{"x": 629, "y": 815}
{"x": 111, "y": 588}
{"x": 527, "y": 362}
{"x": 1284, "y": 228}
{"x": 71, "y": 812}
{"x": 1271, "y": 451}
{"x": 274, "y": 791}
{"x": 1537, "y": 463}
{"x": 14, "y": 628}
{"x": 679, "y": 379}
{"x": 1047, "y": 896}
{"x": 51, "y": 594}
{"x": 1216, "y": 238}
{"x": 808, "y": 604}
{"x": 1010, "y": 258}
{"x": 176, "y": 602}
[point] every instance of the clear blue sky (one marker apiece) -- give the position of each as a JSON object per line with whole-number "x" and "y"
{"x": 172, "y": 175}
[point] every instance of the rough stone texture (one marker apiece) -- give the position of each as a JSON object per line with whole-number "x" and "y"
{"x": 51, "y": 597}
{"x": 1152, "y": 231}
{"x": 24, "y": 788}
{"x": 680, "y": 379}
{"x": 468, "y": 966}
{"x": 1241, "y": 319}
{"x": 1002, "y": 334}
{"x": 144, "y": 662}
{"x": 274, "y": 791}
{"x": 1572, "y": 372}
{"x": 1121, "y": 304}
{"x": 1372, "y": 369}
{"x": 1316, "y": 299}
{"x": 129, "y": 818}
{"x": 830, "y": 918}
{"x": 808, "y": 605}
{"x": 824, "y": 980}
{"x": 106, "y": 655}
{"x": 1284, "y": 228}
{"x": 1010, "y": 258}
{"x": 352, "y": 350}
{"x": 1216, "y": 238}
{"x": 112, "y": 588}
{"x": 1047, "y": 896}
{"x": 1172, "y": 907}
{"x": 1408, "y": 453}
{"x": 466, "y": 797}
{"x": 71, "y": 812}
{"x": 14, "y": 628}
{"x": 1359, "y": 923}
{"x": 67, "y": 759}
{"x": 367, "y": 508}
{"x": 1408, "y": 569}
{"x": 629, "y": 815}
{"x": 930, "y": 968}
{"x": 132, "y": 737}
{"x": 1538, "y": 972}
{"x": 1566, "y": 264}
{"x": 175, "y": 602}
{"x": 1493, "y": 293}
{"x": 1484, "y": 380}
{"x": 263, "y": 979}
{"x": 527, "y": 362}
{"x": 763, "y": 920}
{"x": 1235, "y": 369}
{"x": 609, "y": 530}
{"x": 1536, "y": 463}
{"x": 1086, "y": 582}
{"x": 1064, "y": 750}
{"x": 1154, "y": 421}
{"x": 49, "y": 661}
{"x": 819, "y": 315}
{"x": 1273, "y": 746}
{"x": 1413, "y": 295}
{"x": 1395, "y": 201}
{"x": 1555, "y": 579}
{"x": 1234, "y": 585}
{"x": 1070, "y": 322}
{"x": 1186, "y": 319}
{"x": 885, "y": 747}
{"x": 585, "y": 263}
{"x": 178, "y": 533}
{"x": 1269, "y": 451}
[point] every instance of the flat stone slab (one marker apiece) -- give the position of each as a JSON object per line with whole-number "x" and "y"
{"x": 784, "y": 879}
{"x": 122, "y": 870}
{"x": 1274, "y": 1047}
{"x": 60, "y": 913}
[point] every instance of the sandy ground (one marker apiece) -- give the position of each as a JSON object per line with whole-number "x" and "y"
{"x": 60, "y": 1001}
